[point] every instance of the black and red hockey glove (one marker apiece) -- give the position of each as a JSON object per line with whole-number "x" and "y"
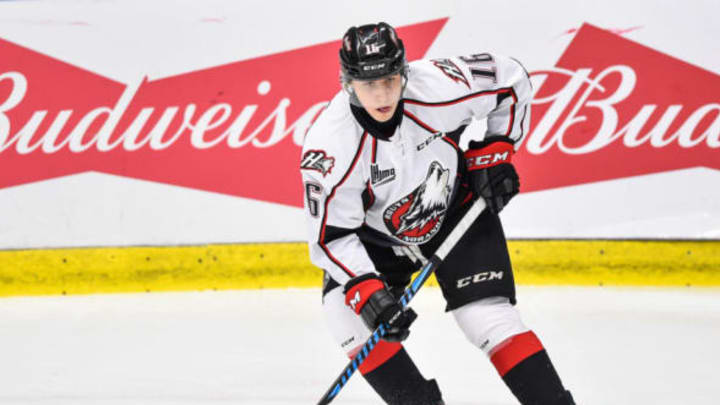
{"x": 370, "y": 298}
{"x": 490, "y": 172}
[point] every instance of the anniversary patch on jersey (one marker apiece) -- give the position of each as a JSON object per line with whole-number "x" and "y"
{"x": 417, "y": 217}
{"x": 451, "y": 70}
{"x": 317, "y": 160}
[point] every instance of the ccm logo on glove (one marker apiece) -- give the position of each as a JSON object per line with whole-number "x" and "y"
{"x": 491, "y": 155}
{"x": 491, "y": 174}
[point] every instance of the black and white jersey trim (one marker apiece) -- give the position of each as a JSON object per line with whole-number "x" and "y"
{"x": 322, "y": 239}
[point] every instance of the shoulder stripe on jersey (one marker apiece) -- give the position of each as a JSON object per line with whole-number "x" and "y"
{"x": 512, "y": 113}
{"x": 461, "y": 99}
{"x": 452, "y": 143}
{"x": 430, "y": 129}
{"x": 505, "y": 90}
{"x": 368, "y": 187}
{"x": 522, "y": 124}
{"x": 321, "y": 238}
{"x": 418, "y": 122}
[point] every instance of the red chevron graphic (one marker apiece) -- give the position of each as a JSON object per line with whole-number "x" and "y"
{"x": 610, "y": 108}
{"x": 232, "y": 129}
{"x": 613, "y": 108}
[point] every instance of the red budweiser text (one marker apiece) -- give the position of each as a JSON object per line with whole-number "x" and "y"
{"x": 610, "y": 108}
{"x": 234, "y": 129}
{"x": 613, "y": 108}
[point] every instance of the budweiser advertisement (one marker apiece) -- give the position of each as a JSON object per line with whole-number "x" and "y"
{"x": 613, "y": 108}
{"x": 611, "y": 114}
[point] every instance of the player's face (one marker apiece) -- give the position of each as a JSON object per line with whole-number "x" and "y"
{"x": 379, "y": 97}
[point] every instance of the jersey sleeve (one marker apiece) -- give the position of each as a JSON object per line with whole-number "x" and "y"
{"x": 451, "y": 92}
{"x": 333, "y": 185}
{"x": 510, "y": 116}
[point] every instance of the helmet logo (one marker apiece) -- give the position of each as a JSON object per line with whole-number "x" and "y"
{"x": 373, "y": 48}
{"x": 374, "y": 67}
{"x": 370, "y": 52}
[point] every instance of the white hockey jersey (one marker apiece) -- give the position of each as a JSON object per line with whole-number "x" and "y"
{"x": 401, "y": 187}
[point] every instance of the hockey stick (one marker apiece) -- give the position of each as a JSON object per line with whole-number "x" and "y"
{"x": 410, "y": 291}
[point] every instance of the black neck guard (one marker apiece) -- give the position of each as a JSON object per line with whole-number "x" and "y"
{"x": 380, "y": 130}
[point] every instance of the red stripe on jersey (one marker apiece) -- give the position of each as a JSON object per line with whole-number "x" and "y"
{"x": 321, "y": 239}
{"x": 431, "y": 130}
{"x": 451, "y": 142}
{"x": 382, "y": 352}
{"x": 461, "y": 99}
{"x": 514, "y": 350}
{"x": 512, "y": 113}
{"x": 419, "y": 122}
{"x": 508, "y": 90}
{"x": 522, "y": 124}
{"x": 373, "y": 159}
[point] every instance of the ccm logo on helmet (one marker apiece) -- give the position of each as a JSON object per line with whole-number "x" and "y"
{"x": 489, "y": 159}
{"x": 479, "y": 278}
{"x": 374, "y": 67}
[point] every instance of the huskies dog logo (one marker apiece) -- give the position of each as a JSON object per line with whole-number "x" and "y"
{"x": 416, "y": 217}
{"x": 317, "y": 160}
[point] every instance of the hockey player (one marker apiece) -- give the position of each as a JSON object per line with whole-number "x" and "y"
{"x": 385, "y": 182}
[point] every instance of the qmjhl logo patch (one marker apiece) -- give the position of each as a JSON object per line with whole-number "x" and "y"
{"x": 378, "y": 176}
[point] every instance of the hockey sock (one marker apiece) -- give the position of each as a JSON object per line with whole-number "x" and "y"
{"x": 524, "y": 365}
{"x": 393, "y": 375}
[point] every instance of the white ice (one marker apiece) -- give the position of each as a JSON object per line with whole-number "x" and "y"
{"x": 612, "y": 346}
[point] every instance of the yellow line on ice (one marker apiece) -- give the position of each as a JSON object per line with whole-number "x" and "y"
{"x": 283, "y": 265}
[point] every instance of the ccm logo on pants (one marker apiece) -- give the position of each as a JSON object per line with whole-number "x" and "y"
{"x": 479, "y": 278}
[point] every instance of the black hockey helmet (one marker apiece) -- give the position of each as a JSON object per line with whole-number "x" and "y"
{"x": 371, "y": 51}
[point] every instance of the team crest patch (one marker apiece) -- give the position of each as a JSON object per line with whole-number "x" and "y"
{"x": 317, "y": 160}
{"x": 417, "y": 217}
{"x": 451, "y": 70}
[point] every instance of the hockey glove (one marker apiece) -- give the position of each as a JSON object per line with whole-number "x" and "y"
{"x": 490, "y": 172}
{"x": 370, "y": 298}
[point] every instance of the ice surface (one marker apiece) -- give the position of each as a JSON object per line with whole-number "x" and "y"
{"x": 611, "y": 345}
